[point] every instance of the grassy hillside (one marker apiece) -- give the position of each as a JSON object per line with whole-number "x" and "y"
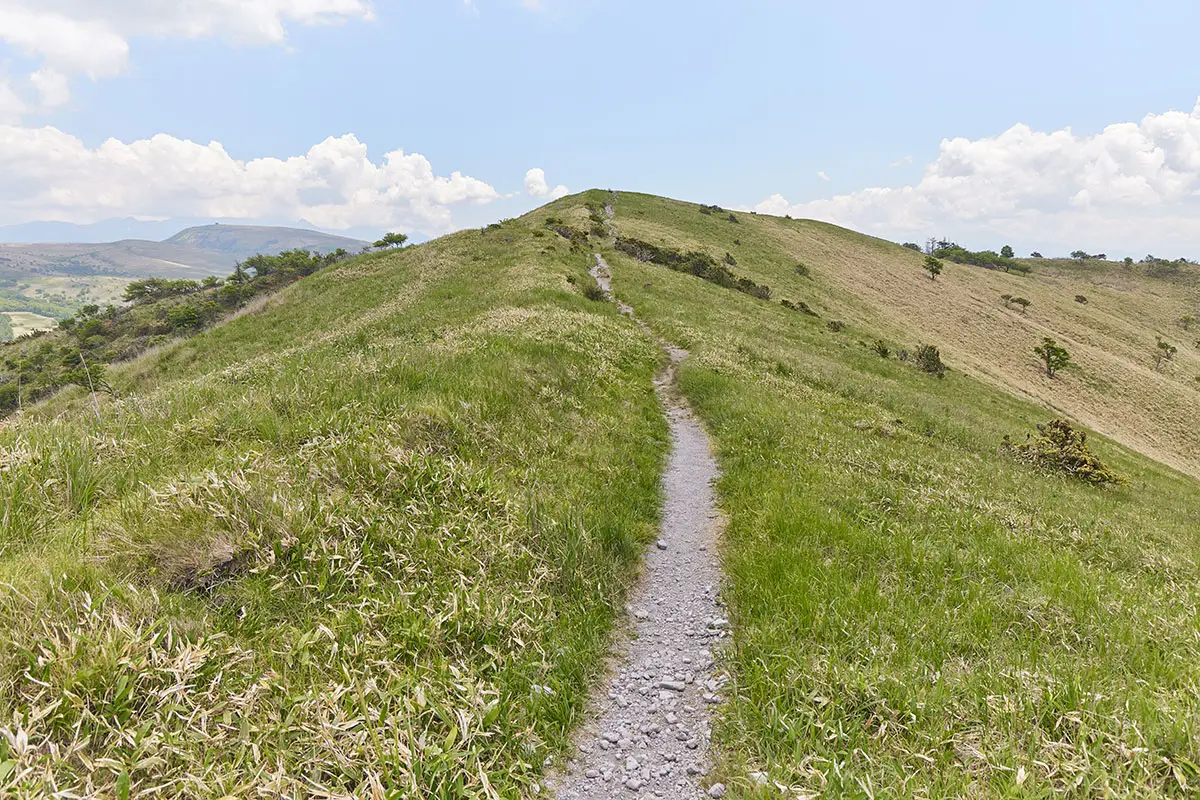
{"x": 917, "y": 613}
{"x": 369, "y": 538}
{"x": 1116, "y": 388}
{"x": 371, "y": 535}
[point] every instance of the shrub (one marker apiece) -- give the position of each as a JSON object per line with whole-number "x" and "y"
{"x": 730, "y": 260}
{"x": 881, "y": 349}
{"x": 1053, "y": 356}
{"x": 912, "y": 246}
{"x": 1060, "y": 447}
{"x": 182, "y": 318}
{"x": 1187, "y": 321}
{"x": 929, "y": 361}
{"x": 732, "y": 218}
{"x": 1022, "y": 302}
{"x": 592, "y": 291}
{"x": 1007, "y": 298}
{"x": 802, "y": 270}
{"x": 1006, "y": 252}
{"x": 1081, "y": 299}
{"x": 837, "y": 326}
{"x": 933, "y": 266}
{"x": 1035, "y": 254}
{"x": 1164, "y": 351}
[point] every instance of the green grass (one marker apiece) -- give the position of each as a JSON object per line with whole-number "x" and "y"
{"x": 369, "y": 536}
{"x": 916, "y": 613}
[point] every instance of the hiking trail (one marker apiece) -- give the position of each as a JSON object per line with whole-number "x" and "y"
{"x": 649, "y": 726}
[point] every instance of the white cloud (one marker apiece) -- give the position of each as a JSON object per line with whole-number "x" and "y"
{"x": 904, "y": 162}
{"x": 536, "y": 186}
{"x": 51, "y": 175}
{"x": 1131, "y": 187}
{"x": 823, "y": 176}
{"x": 91, "y": 37}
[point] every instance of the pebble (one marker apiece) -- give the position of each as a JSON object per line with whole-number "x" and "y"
{"x": 655, "y": 712}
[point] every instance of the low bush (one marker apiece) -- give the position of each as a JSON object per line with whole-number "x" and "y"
{"x": 929, "y": 361}
{"x": 1059, "y": 446}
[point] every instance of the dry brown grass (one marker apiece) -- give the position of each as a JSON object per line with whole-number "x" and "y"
{"x": 1114, "y": 387}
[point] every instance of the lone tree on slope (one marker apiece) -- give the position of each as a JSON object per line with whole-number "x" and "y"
{"x": 1006, "y": 252}
{"x": 392, "y": 240}
{"x": 1053, "y": 355}
{"x": 933, "y": 266}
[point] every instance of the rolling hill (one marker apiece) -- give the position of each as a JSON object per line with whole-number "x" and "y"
{"x": 372, "y": 535}
{"x": 54, "y": 279}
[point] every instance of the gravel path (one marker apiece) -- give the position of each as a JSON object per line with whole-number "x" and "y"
{"x": 648, "y": 734}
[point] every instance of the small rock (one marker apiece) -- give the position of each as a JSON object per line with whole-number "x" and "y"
{"x": 641, "y": 613}
{"x": 631, "y": 764}
{"x": 593, "y": 773}
{"x": 758, "y": 778}
{"x": 661, "y": 544}
{"x": 716, "y": 790}
{"x": 634, "y": 784}
{"x": 674, "y": 686}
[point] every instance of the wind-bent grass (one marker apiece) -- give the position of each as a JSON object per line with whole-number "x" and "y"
{"x": 367, "y": 541}
{"x": 917, "y": 614}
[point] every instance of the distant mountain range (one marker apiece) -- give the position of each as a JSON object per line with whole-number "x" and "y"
{"x": 194, "y": 252}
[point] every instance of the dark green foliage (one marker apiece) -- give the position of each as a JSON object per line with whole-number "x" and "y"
{"x": 711, "y": 210}
{"x": 592, "y": 290}
{"x": 1035, "y": 254}
{"x": 802, "y": 270}
{"x": 881, "y": 349}
{"x": 933, "y": 266}
{"x": 732, "y": 218}
{"x": 1062, "y": 448}
{"x": 988, "y": 259}
{"x": 160, "y": 310}
{"x": 1006, "y": 252}
{"x": 1054, "y": 356}
{"x": 1163, "y": 351}
{"x": 730, "y": 260}
{"x": 152, "y": 289}
{"x": 800, "y": 306}
{"x": 912, "y": 246}
{"x": 699, "y": 264}
{"x": 391, "y": 240}
{"x": 836, "y": 325}
{"x": 929, "y": 361}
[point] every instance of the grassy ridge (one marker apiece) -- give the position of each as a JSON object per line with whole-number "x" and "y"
{"x": 918, "y": 615}
{"x": 367, "y": 537}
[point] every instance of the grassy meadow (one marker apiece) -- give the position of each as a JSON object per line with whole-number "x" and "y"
{"x": 916, "y": 613}
{"x": 366, "y": 539}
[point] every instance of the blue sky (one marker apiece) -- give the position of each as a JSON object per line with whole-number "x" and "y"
{"x": 841, "y": 111}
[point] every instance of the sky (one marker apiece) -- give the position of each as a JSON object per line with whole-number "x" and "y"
{"x": 1052, "y": 126}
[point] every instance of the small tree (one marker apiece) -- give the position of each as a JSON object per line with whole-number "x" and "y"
{"x": 933, "y": 266}
{"x": 1164, "y": 351}
{"x": 912, "y": 246}
{"x": 1006, "y": 252}
{"x": 1053, "y": 356}
{"x": 1035, "y": 254}
{"x": 391, "y": 240}
{"x": 1080, "y": 255}
{"x": 1023, "y": 303}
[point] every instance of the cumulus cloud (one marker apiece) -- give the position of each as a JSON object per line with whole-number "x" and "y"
{"x": 51, "y": 175}
{"x": 823, "y": 176}
{"x": 536, "y": 186}
{"x": 91, "y": 37}
{"x": 1131, "y": 186}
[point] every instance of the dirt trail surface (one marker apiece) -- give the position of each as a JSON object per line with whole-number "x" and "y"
{"x": 649, "y": 731}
